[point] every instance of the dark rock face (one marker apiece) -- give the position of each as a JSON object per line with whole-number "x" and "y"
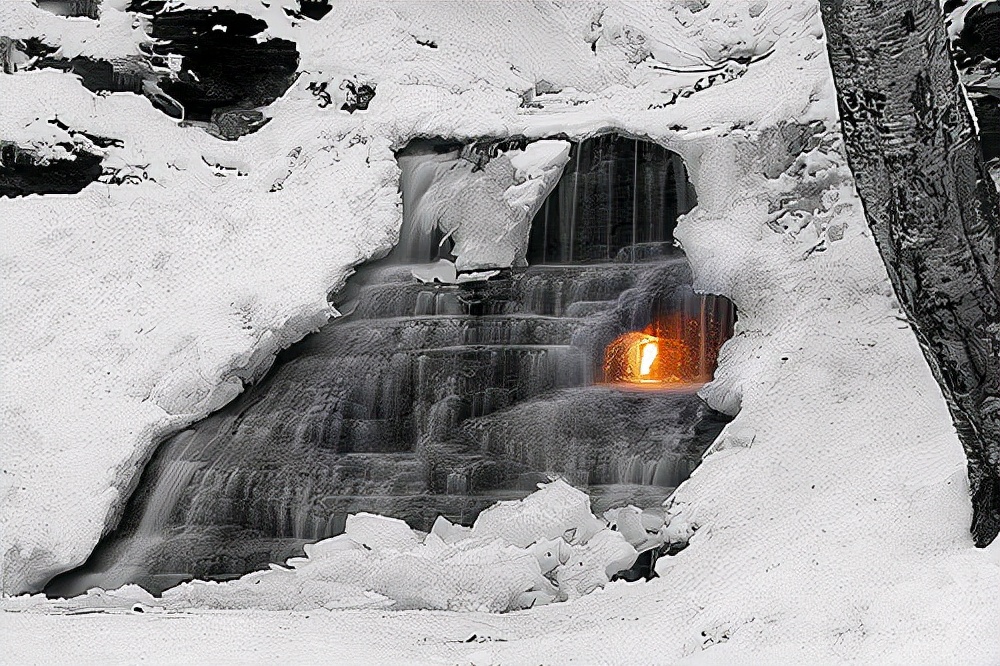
{"x": 313, "y": 9}
{"x": 987, "y": 108}
{"x": 615, "y": 193}
{"x": 206, "y": 66}
{"x": 424, "y": 399}
{"x": 234, "y": 123}
{"x": 102, "y": 75}
{"x": 85, "y": 8}
{"x": 223, "y": 66}
{"x": 358, "y": 96}
{"x": 23, "y": 173}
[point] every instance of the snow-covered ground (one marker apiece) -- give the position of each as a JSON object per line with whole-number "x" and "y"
{"x": 829, "y": 522}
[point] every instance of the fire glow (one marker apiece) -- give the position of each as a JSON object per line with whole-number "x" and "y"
{"x": 673, "y": 350}
{"x": 639, "y": 357}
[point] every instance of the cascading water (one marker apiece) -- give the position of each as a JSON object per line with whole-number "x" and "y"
{"x": 435, "y": 398}
{"x": 617, "y": 195}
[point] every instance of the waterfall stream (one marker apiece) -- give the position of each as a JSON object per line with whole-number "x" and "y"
{"x": 431, "y": 398}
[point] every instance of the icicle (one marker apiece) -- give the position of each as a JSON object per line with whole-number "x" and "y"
{"x": 635, "y": 199}
{"x": 611, "y": 205}
{"x": 545, "y": 232}
{"x": 702, "y": 335}
{"x": 576, "y": 183}
{"x": 680, "y": 185}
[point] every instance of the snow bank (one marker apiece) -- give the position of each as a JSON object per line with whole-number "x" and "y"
{"x": 132, "y": 310}
{"x": 184, "y": 280}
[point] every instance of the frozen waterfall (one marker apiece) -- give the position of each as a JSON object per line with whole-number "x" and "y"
{"x": 442, "y": 397}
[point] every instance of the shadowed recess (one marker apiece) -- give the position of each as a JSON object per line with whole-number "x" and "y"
{"x": 978, "y": 46}
{"x": 23, "y": 172}
{"x": 222, "y": 66}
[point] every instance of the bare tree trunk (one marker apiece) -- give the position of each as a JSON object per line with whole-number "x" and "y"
{"x": 932, "y": 207}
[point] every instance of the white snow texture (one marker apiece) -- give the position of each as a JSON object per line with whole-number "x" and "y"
{"x": 830, "y": 521}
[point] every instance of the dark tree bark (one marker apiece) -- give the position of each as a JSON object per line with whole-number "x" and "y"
{"x": 932, "y": 207}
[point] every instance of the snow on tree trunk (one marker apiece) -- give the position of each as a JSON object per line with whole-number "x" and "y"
{"x": 932, "y": 207}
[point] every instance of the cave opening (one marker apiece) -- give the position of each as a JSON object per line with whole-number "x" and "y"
{"x": 440, "y": 394}
{"x": 618, "y": 200}
{"x": 675, "y": 349}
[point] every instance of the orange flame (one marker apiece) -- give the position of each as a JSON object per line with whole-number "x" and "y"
{"x": 671, "y": 350}
{"x": 640, "y": 357}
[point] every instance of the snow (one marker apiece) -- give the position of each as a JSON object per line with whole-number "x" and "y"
{"x": 132, "y": 310}
{"x": 115, "y": 35}
{"x": 557, "y": 510}
{"x": 486, "y": 210}
{"x": 828, "y": 525}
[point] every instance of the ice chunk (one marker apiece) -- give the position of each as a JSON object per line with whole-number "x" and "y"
{"x": 448, "y": 532}
{"x": 491, "y": 577}
{"x": 548, "y": 513}
{"x": 325, "y": 547}
{"x": 628, "y": 522}
{"x": 652, "y": 521}
{"x": 273, "y": 590}
{"x": 551, "y": 553}
{"x": 484, "y": 205}
{"x": 441, "y": 270}
{"x": 380, "y": 532}
{"x": 594, "y": 563}
{"x": 505, "y": 562}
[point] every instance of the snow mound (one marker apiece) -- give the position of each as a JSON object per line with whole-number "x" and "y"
{"x": 547, "y": 547}
{"x": 556, "y": 510}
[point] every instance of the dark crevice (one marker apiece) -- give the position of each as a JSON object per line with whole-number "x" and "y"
{"x": 101, "y": 75}
{"x": 223, "y": 67}
{"x": 987, "y": 108}
{"x": 979, "y": 39}
{"x": 99, "y": 141}
{"x": 618, "y": 200}
{"x": 314, "y": 10}
{"x": 23, "y": 172}
{"x": 205, "y": 66}
{"x": 358, "y": 96}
